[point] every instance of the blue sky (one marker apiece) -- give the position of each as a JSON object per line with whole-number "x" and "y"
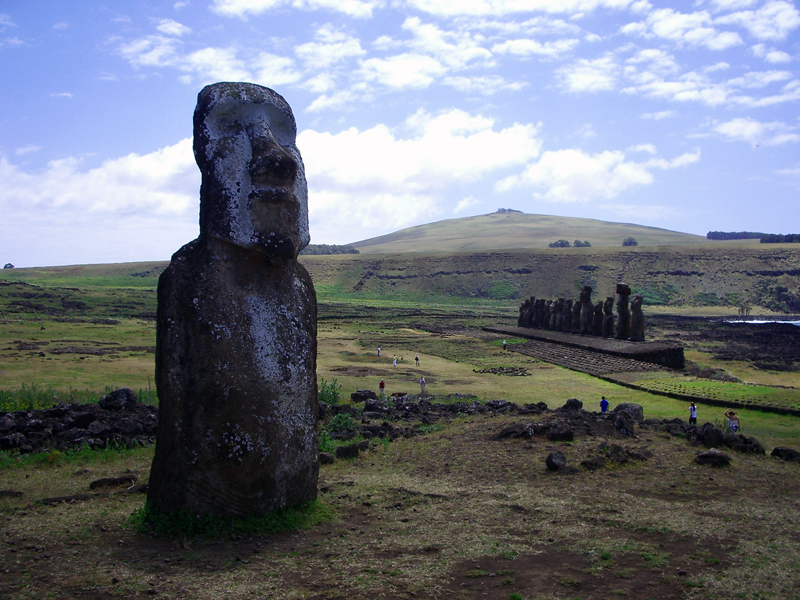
{"x": 683, "y": 116}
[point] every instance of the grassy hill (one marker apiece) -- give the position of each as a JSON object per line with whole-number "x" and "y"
{"x": 516, "y": 230}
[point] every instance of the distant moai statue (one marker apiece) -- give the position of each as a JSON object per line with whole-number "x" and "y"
{"x": 576, "y": 317}
{"x": 523, "y": 308}
{"x": 608, "y": 317}
{"x": 237, "y": 322}
{"x": 637, "y": 319}
{"x": 597, "y": 320}
{"x": 566, "y": 317}
{"x": 528, "y": 316}
{"x": 587, "y": 312}
{"x": 622, "y": 330}
{"x": 547, "y": 314}
{"x": 538, "y": 308}
{"x": 556, "y": 316}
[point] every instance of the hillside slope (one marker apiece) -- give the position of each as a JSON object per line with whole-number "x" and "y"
{"x": 516, "y": 230}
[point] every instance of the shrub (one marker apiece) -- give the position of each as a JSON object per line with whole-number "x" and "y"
{"x": 342, "y": 422}
{"x": 330, "y": 393}
{"x": 630, "y": 241}
{"x": 559, "y": 244}
{"x": 582, "y": 244}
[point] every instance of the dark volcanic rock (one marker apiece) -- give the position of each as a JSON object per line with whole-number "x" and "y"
{"x": 560, "y": 433}
{"x": 624, "y": 423}
{"x": 635, "y": 411}
{"x": 363, "y": 395}
{"x": 786, "y": 454}
{"x": 350, "y": 451}
{"x": 555, "y": 461}
{"x": 120, "y": 399}
{"x": 740, "y": 443}
{"x": 592, "y": 464}
{"x": 713, "y": 457}
{"x": 709, "y": 436}
{"x": 573, "y": 404}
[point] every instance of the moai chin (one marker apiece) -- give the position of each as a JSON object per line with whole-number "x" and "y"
{"x": 237, "y": 314}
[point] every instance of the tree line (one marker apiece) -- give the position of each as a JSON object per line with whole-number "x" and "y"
{"x": 764, "y": 238}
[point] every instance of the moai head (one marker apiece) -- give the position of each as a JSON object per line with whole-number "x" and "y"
{"x": 254, "y": 192}
{"x": 608, "y": 305}
{"x": 636, "y": 303}
{"x": 586, "y": 294}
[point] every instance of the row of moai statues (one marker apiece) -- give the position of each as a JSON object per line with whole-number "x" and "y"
{"x": 583, "y": 317}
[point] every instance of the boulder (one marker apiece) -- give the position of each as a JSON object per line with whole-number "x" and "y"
{"x": 788, "y": 454}
{"x": 362, "y": 396}
{"x": 560, "y": 433}
{"x": 326, "y": 458}
{"x": 624, "y": 423}
{"x": 592, "y": 464}
{"x": 709, "y": 436}
{"x": 635, "y": 411}
{"x": 350, "y": 451}
{"x": 713, "y": 457}
{"x": 121, "y": 399}
{"x": 746, "y": 445}
{"x": 555, "y": 461}
{"x": 573, "y": 404}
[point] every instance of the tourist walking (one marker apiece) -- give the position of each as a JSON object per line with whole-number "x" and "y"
{"x": 504, "y": 344}
{"x": 382, "y": 389}
{"x": 692, "y": 414}
{"x": 394, "y": 361}
{"x": 421, "y": 386}
{"x": 416, "y": 358}
{"x": 379, "y": 351}
{"x": 603, "y": 404}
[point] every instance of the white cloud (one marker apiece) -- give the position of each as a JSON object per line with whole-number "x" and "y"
{"x": 453, "y": 8}
{"x": 244, "y": 8}
{"x": 771, "y": 55}
{"x": 657, "y": 116}
{"x": 374, "y": 181}
{"x": 759, "y": 79}
{"x": 6, "y": 22}
{"x": 272, "y": 70}
{"x": 67, "y": 95}
{"x": 757, "y": 133}
{"x": 574, "y": 176}
{"x": 331, "y": 47}
{"x": 455, "y": 48}
{"x": 692, "y": 29}
{"x": 163, "y": 182}
{"x": 30, "y": 148}
{"x": 170, "y": 27}
{"x": 649, "y": 148}
{"x": 528, "y": 47}
{"x": 61, "y": 26}
{"x": 466, "y": 203}
{"x": 773, "y": 21}
{"x": 486, "y": 85}
{"x": 402, "y": 71}
{"x": 584, "y": 75}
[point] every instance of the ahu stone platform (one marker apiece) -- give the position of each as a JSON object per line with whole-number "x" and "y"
{"x": 665, "y": 354}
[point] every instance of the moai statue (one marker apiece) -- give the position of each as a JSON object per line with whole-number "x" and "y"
{"x": 608, "y": 317}
{"x": 521, "y": 318}
{"x": 637, "y": 319}
{"x": 528, "y": 316}
{"x": 556, "y": 316}
{"x": 538, "y": 313}
{"x": 622, "y": 330}
{"x": 547, "y": 314}
{"x": 597, "y": 321}
{"x": 576, "y": 317}
{"x": 587, "y": 311}
{"x": 237, "y": 322}
{"x": 566, "y": 316}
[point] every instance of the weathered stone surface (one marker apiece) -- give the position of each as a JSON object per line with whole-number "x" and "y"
{"x": 745, "y": 445}
{"x": 587, "y": 310}
{"x": 236, "y": 331}
{"x": 622, "y": 328}
{"x": 788, "y": 454}
{"x": 362, "y": 395}
{"x": 572, "y": 404}
{"x": 709, "y": 436}
{"x": 637, "y": 319}
{"x": 120, "y": 399}
{"x": 635, "y": 411}
{"x": 608, "y": 317}
{"x": 713, "y": 457}
{"x": 624, "y": 423}
{"x": 556, "y": 461}
{"x": 592, "y": 464}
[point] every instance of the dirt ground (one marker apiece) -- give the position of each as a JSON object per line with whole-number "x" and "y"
{"x": 453, "y": 513}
